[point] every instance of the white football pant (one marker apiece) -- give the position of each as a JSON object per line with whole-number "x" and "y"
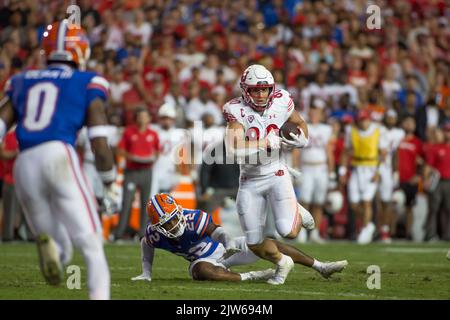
{"x": 252, "y": 198}
{"x": 57, "y": 201}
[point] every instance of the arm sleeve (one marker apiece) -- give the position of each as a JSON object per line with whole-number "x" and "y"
{"x": 219, "y": 234}
{"x": 147, "y": 254}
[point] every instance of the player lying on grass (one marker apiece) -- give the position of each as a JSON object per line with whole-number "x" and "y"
{"x": 211, "y": 251}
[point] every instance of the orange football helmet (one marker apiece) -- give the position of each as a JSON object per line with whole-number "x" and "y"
{"x": 166, "y": 216}
{"x": 62, "y": 42}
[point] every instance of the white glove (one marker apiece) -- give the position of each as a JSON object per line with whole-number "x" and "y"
{"x": 111, "y": 198}
{"x": 299, "y": 141}
{"x": 142, "y": 277}
{"x": 273, "y": 140}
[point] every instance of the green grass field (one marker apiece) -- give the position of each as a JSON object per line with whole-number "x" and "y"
{"x": 408, "y": 271}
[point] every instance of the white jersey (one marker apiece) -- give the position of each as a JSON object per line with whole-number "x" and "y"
{"x": 393, "y": 138}
{"x": 258, "y": 125}
{"x": 113, "y": 137}
{"x": 164, "y": 170}
{"x": 319, "y": 136}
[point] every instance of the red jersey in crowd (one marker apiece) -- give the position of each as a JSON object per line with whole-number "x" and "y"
{"x": 438, "y": 156}
{"x": 409, "y": 150}
{"x": 142, "y": 144}
{"x": 9, "y": 144}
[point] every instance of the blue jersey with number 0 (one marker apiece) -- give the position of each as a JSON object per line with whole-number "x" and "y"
{"x": 51, "y": 104}
{"x": 193, "y": 244}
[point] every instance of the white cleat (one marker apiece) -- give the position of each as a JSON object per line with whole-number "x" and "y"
{"x": 142, "y": 277}
{"x": 448, "y": 255}
{"x": 307, "y": 219}
{"x": 366, "y": 234}
{"x": 329, "y": 268}
{"x": 49, "y": 261}
{"x": 282, "y": 272}
{"x": 262, "y": 274}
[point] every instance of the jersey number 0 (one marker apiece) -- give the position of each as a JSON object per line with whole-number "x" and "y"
{"x": 40, "y": 106}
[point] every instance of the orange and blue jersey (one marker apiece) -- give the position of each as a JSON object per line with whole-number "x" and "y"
{"x": 51, "y": 104}
{"x": 193, "y": 244}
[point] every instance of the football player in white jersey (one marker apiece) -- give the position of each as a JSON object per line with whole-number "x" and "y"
{"x": 113, "y": 136}
{"x": 252, "y": 124}
{"x": 388, "y": 177}
{"x": 166, "y": 177}
{"x": 316, "y": 162}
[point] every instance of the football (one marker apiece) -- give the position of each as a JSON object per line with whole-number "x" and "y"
{"x": 287, "y": 128}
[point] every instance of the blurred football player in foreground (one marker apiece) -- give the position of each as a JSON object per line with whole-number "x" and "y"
{"x": 50, "y": 106}
{"x": 211, "y": 251}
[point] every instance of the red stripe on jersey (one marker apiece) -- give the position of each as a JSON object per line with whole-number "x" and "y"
{"x": 206, "y": 224}
{"x": 297, "y": 213}
{"x": 83, "y": 194}
{"x": 97, "y": 86}
{"x": 198, "y": 221}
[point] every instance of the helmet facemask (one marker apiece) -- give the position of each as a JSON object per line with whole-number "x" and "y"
{"x": 259, "y": 106}
{"x": 173, "y": 225}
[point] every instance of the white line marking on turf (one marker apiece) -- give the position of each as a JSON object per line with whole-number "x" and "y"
{"x": 356, "y": 295}
{"x": 415, "y": 250}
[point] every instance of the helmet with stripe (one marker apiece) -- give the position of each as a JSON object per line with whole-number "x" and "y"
{"x": 166, "y": 216}
{"x": 64, "y": 42}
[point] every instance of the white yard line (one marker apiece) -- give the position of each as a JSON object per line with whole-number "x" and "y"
{"x": 415, "y": 250}
{"x": 294, "y": 292}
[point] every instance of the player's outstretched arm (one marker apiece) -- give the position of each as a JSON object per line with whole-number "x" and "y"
{"x": 7, "y": 116}
{"x": 147, "y": 254}
{"x": 218, "y": 233}
{"x": 97, "y": 133}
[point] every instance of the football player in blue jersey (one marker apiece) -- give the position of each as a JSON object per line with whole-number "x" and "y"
{"x": 211, "y": 251}
{"x": 50, "y": 106}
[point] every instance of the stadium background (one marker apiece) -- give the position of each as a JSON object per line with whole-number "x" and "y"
{"x": 191, "y": 54}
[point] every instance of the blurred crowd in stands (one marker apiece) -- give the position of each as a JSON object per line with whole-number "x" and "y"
{"x": 188, "y": 56}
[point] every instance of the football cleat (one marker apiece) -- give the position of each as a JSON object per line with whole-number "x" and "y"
{"x": 307, "y": 219}
{"x": 282, "y": 272}
{"x": 262, "y": 274}
{"x": 366, "y": 234}
{"x": 329, "y": 268}
{"x": 448, "y": 255}
{"x": 49, "y": 261}
{"x": 145, "y": 277}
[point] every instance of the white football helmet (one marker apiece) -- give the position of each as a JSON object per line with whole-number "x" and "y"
{"x": 335, "y": 202}
{"x": 257, "y": 76}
